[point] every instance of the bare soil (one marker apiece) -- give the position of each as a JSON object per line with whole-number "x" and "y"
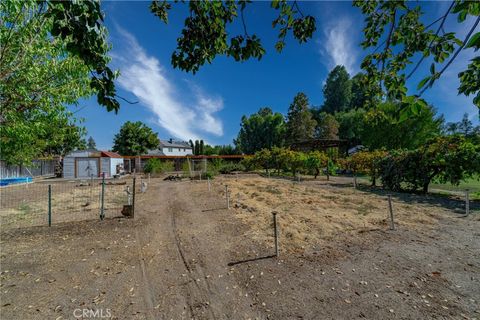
{"x": 185, "y": 256}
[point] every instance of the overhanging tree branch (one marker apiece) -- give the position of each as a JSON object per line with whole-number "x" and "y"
{"x": 439, "y": 74}
{"x": 433, "y": 39}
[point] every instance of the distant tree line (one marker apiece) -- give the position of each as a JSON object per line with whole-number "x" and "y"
{"x": 352, "y": 113}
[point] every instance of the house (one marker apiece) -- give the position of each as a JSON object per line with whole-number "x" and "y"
{"x": 91, "y": 163}
{"x": 171, "y": 148}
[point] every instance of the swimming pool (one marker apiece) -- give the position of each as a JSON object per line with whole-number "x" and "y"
{"x": 8, "y": 181}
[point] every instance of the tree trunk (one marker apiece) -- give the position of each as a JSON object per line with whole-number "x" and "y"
{"x": 317, "y": 172}
{"x": 425, "y": 187}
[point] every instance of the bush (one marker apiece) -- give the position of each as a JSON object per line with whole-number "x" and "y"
{"x": 315, "y": 161}
{"x": 155, "y": 166}
{"x": 445, "y": 159}
{"x": 249, "y": 163}
{"x": 229, "y": 167}
{"x": 365, "y": 162}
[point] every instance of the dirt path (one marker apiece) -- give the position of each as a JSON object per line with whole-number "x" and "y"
{"x": 186, "y": 257}
{"x": 187, "y": 245}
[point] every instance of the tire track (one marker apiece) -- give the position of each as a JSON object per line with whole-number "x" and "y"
{"x": 148, "y": 297}
{"x": 201, "y": 291}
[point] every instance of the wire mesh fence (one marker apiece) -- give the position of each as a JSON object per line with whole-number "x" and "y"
{"x": 30, "y": 204}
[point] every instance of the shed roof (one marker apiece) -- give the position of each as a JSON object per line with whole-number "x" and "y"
{"x": 110, "y": 154}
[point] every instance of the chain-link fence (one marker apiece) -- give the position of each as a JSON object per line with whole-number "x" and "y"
{"x": 51, "y": 202}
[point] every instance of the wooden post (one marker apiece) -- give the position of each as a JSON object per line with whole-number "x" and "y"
{"x": 49, "y": 205}
{"x": 355, "y": 181}
{"x": 227, "y": 197}
{"x": 275, "y": 231}
{"x": 102, "y": 212}
{"x": 133, "y": 197}
{"x": 392, "y": 223}
{"x": 467, "y": 202}
{"x": 208, "y": 182}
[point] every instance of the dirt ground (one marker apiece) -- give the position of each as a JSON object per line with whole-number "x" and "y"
{"x": 185, "y": 256}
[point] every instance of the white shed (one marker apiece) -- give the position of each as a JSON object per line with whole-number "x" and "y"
{"x": 91, "y": 163}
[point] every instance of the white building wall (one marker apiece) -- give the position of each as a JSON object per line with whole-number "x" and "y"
{"x": 175, "y": 151}
{"x": 113, "y": 165}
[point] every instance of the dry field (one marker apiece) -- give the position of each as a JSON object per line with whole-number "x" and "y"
{"x": 314, "y": 213}
{"x": 185, "y": 256}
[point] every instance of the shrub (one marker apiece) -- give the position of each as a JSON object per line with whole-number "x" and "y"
{"x": 315, "y": 161}
{"x": 229, "y": 167}
{"x": 156, "y": 166}
{"x": 249, "y": 163}
{"x": 445, "y": 159}
{"x": 366, "y": 162}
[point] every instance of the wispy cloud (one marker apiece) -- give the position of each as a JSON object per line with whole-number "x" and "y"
{"x": 144, "y": 76}
{"x": 338, "y": 44}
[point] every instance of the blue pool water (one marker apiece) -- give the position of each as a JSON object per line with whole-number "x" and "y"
{"x": 8, "y": 181}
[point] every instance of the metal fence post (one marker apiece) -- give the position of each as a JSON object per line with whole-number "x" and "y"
{"x": 102, "y": 213}
{"x": 49, "y": 205}
{"x": 133, "y": 197}
{"x": 275, "y": 230}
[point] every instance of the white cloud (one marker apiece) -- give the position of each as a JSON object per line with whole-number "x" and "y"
{"x": 144, "y": 76}
{"x": 338, "y": 45}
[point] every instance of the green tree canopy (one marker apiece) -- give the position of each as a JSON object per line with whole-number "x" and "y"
{"x": 337, "y": 90}
{"x": 135, "y": 138}
{"x": 351, "y": 126}
{"x": 38, "y": 78}
{"x": 327, "y": 126}
{"x": 383, "y": 129}
{"x": 263, "y": 129}
{"x": 300, "y": 124}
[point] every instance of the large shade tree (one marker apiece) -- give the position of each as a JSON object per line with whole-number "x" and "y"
{"x": 38, "y": 78}
{"x": 263, "y": 129}
{"x": 383, "y": 130}
{"x": 135, "y": 138}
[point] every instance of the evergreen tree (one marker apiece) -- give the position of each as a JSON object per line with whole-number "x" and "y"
{"x": 91, "y": 143}
{"x": 300, "y": 124}
{"x": 196, "y": 150}
{"x": 337, "y": 90}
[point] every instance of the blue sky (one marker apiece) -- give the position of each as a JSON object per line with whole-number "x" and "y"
{"x": 209, "y": 104}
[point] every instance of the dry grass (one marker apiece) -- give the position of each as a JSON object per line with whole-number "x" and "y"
{"x": 312, "y": 214}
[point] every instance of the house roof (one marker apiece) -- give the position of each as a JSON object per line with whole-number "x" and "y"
{"x": 155, "y": 152}
{"x": 175, "y": 144}
{"x": 110, "y": 154}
